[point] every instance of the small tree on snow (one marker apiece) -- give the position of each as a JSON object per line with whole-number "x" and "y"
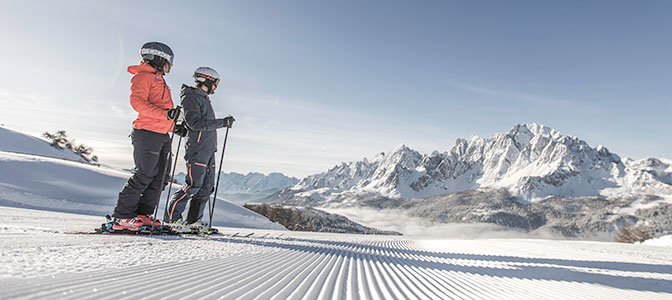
{"x": 59, "y": 140}
{"x": 82, "y": 150}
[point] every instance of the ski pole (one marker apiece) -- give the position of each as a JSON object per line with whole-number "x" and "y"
{"x": 163, "y": 174}
{"x": 165, "y": 169}
{"x": 172, "y": 175}
{"x": 219, "y": 172}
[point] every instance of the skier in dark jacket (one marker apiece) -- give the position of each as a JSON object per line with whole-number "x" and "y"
{"x": 150, "y": 97}
{"x": 200, "y": 147}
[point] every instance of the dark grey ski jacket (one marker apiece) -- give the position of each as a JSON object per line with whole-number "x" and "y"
{"x": 201, "y": 124}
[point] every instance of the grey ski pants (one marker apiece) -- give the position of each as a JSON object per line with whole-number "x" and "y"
{"x": 141, "y": 193}
{"x": 199, "y": 185}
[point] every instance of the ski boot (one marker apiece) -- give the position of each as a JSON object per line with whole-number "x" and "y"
{"x": 201, "y": 227}
{"x": 149, "y": 221}
{"x": 198, "y": 226}
{"x": 128, "y": 224}
{"x": 179, "y": 226}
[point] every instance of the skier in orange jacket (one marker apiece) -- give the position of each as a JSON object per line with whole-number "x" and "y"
{"x": 150, "y": 97}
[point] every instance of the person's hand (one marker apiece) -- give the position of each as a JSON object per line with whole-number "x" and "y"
{"x": 180, "y": 129}
{"x": 228, "y": 121}
{"x": 175, "y": 114}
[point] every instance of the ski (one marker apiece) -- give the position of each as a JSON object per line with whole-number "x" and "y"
{"x": 105, "y": 229}
{"x": 237, "y": 234}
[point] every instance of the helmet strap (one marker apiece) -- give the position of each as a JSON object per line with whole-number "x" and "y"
{"x": 207, "y": 84}
{"x": 157, "y": 63}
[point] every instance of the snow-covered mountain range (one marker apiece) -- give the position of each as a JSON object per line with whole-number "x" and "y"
{"x": 241, "y": 188}
{"x": 531, "y": 161}
{"x": 255, "y": 183}
{"x": 250, "y": 183}
{"x": 531, "y": 164}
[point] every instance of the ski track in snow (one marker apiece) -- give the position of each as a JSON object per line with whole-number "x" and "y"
{"x": 46, "y": 262}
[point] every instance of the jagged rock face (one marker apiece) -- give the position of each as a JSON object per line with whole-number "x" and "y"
{"x": 531, "y": 161}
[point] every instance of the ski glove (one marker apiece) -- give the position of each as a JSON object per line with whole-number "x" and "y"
{"x": 175, "y": 114}
{"x": 228, "y": 121}
{"x": 180, "y": 129}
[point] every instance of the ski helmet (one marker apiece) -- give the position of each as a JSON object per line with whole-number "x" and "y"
{"x": 207, "y": 76}
{"x": 156, "y": 54}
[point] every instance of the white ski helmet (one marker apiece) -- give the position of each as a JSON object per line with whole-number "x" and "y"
{"x": 208, "y": 77}
{"x": 203, "y": 74}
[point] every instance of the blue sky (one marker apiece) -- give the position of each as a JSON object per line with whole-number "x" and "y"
{"x": 314, "y": 83}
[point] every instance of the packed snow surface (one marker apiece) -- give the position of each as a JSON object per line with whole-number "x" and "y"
{"x": 44, "y": 257}
{"x": 663, "y": 241}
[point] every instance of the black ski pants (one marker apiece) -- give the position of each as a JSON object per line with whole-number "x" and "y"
{"x": 199, "y": 185}
{"x": 140, "y": 195}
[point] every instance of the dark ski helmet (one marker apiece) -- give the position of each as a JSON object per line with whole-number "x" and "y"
{"x": 207, "y": 76}
{"x": 156, "y": 54}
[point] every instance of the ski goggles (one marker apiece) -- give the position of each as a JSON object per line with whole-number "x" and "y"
{"x": 214, "y": 80}
{"x": 156, "y": 52}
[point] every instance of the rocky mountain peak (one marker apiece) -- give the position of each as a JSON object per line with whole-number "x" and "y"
{"x": 531, "y": 161}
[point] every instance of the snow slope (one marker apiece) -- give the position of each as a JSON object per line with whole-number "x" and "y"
{"x": 40, "y": 259}
{"x": 54, "y": 184}
{"x": 13, "y": 141}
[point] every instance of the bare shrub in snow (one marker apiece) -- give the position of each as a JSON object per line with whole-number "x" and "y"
{"x": 629, "y": 234}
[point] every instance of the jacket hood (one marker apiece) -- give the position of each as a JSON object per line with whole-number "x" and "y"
{"x": 186, "y": 90}
{"x": 142, "y": 67}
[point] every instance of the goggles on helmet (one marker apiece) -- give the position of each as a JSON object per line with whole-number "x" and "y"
{"x": 214, "y": 80}
{"x": 160, "y": 53}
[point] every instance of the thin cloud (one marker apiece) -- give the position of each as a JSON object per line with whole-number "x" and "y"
{"x": 515, "y": 96}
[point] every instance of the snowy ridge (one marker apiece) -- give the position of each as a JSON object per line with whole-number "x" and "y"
{"x": 292, "y": 265}
{"x": 13, "y": 141}
{"x": 531, "y": 161}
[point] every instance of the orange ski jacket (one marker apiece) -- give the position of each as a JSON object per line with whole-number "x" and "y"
{"x": 150, "y": 97}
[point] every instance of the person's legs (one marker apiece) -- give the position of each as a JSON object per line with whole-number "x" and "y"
{"x": 193, "y": 182}
{"x": 200, "y": 199}
{"x": 146, "y": 154}
{"x": 150, "y": 198}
